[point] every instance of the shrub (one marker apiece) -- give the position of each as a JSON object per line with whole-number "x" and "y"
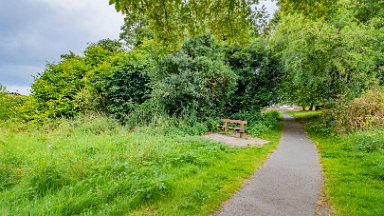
{"x": 365, "y": 112}
{"x": 259, "y": 123}
{"x": 55, "y": 89}
{"x": 193, "y": 81}
{"x": 128, "y": 85}
{"x": 259, "y": 74}
{"x": 368, "y": 142}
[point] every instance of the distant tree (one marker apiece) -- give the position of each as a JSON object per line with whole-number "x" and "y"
{"x": 135, "y": 32}
{"x": 99, "y": 58}
{"x": 259, "y": 76}
{"x": 323, "y": 60}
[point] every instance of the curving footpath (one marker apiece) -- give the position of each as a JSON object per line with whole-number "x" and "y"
{"x": 288, "y": 183}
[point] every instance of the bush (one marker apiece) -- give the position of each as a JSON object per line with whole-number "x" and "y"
{"x": 56, "y": 88}
{"x": 259, "y": 74}
{"x": 259, "y": 123}
{"x": 128, "y": 85}
{"x": 368, "y": 142}
{"x": 365, "y": 112}
{"x": 193, "y": 81}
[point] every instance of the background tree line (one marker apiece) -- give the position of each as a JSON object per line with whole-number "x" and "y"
{"x": 217, "y": 58}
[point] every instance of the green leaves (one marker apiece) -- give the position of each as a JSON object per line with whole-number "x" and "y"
{"x": 171, "y": 21}
{"x": 324, "y": 60}
{"x": 195, "y": 80}
{"x": 56, "y": 88}
{"x": 128, "y": 84}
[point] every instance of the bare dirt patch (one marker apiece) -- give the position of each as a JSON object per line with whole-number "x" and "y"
{"x": 235, "y": 141}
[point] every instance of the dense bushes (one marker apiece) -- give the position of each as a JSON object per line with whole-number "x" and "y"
{"x": 259, "y": 122}
{"x": 201, "y": 80}
{"x": 362, "y": 113}
{"x": 259, "y": 74}
{"x": 127, "y": 86}
{"x": 195, "y": 80}
{"x": 56, "y": 88}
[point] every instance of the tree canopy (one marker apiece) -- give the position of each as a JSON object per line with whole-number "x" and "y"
{"x": 171, "y": 21}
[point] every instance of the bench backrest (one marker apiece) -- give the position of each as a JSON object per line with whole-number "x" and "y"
{"x": 234, "y": 121}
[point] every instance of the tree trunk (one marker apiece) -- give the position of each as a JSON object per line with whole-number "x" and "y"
{"x": 311, "y": 107}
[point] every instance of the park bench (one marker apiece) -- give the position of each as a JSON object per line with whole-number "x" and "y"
{"x": 239, "y": 129}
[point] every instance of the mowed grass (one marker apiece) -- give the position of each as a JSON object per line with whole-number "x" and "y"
{"x": 97, "y": 167}
{"x": 353, "y": 166}
{"x": 303, "y": 115}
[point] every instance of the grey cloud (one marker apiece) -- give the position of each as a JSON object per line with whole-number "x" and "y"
{"x": 34, "y": 32}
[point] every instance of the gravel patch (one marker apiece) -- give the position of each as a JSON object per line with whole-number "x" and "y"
{"x": 235, "y": 141}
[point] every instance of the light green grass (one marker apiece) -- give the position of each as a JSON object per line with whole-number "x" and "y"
{"x": 353, "y": 166}
{"x": 97, "y": 167}
{"x": 305, "y": 114}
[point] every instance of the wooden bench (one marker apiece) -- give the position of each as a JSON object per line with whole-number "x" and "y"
{"x": 240, "y": 129}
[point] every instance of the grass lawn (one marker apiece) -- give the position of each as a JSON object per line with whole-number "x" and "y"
{"x": 99, "y": 168}
{"x": 353, "y": 166}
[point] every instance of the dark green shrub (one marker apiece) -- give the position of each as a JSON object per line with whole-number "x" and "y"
{"x": 259, "y": 75}
{"x": 193, "y": 81}
{"x": 128, "y": 85}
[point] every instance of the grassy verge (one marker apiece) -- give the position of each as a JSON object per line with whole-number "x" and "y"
{"x": 304, "y": 115}
{"x": 96, "y": 167}
{"x": 353, "y": 166}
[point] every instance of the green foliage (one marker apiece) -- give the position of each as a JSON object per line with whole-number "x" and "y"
{"x": 259, "y": 74}
{"x": 310, "y": 8}
{"x": 135, "y": 31}
{"x": 353, "y": 169}
{"x": 56, "y": 88}
{"x": 172, "y": 21}
{"x": 194, "y": 81}
{"x": 362, "y": 113}
{"x": 94, "y": 166}
{"x": 10, "y": 105}
{"x": 128, "y": 84}
{"x": 366, "y": 10}
{"x": 323, "y": 60}
{"x": 99, "y": 57}
{"x": 372, "y": 141}
{"x": 259, "y": 123}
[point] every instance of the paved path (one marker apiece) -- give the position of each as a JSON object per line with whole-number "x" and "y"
{"x": 289, "y": 182}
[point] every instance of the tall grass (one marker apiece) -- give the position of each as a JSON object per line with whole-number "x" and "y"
{"x": 353, "y": 166}
{"x": 92, "y": 165}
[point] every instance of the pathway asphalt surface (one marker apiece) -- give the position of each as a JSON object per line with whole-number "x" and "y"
{"x": 288, "y": 183}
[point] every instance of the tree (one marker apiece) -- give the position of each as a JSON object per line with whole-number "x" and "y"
{"x": 127, "y": 84}
{"x": 313, "y": 9}
{"x": 135, "y": 32}
{"x": 171, "y": 21}
{"x": 324, "y": 59}
{"x": 259, "y": 76}
{"x": 56, "y": 88}
{"x": 100, "y": 58}
{"x": 193, "y": 81}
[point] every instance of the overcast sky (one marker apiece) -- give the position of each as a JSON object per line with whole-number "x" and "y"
{"x": 36, "y": 32}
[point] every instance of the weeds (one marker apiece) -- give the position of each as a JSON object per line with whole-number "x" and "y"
{"x": 353, "y": 167}
{"x": 92, "y": 165}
